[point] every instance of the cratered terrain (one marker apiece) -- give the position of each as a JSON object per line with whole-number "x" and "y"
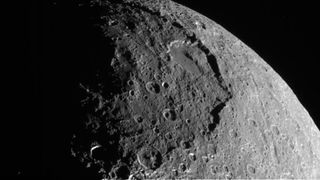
{"x": 181, "y": 97}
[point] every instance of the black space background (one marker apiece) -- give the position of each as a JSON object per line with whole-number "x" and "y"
{"x": 61, "y": 42}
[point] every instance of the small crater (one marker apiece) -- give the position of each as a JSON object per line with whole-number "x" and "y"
{"x": 174, "y": 172}
{"x": 131, "y": 93}
{"x": 233, "y": 133}
{"x": 165, "y": 85}
{"x": 166, "y": 58}
{"x": 192, "y": 156}
{"x": 121, "y": 172}
{"x": 130, "y": 25}
{"x": 191, "y": 136}
{"x": 112, "y": 175}
{"x": 169, "y": 114}
{"x": 251, "y": 169}
{"x": 265, "y": 150}
{"x": 188, "y": 121}
{"x": 96, "y": 152}
{"x": 229, "y": 176}
{"x": 205, "y": 159}
{"x": 292, "y": 144}
{"x": 177, "y": 25}
{"x": 182, "y": 167}
{"x": 113, "y": 22}
{"x": 153, "y": 87}
{"x": 180, "y": 108}
{"x": 157, "y": 76}
{"x": 192, "y": 94}
{"x": 138, "y": 119}
{"x": 275, "y": 130}
{"x": 212, "y": 148}
{"x": 133, "y": 139}
{"x": 168, "y": 136}
{"x": 253, "y": 123}
{"x": 226, "y": 168}
{"x": 153, "y": 121}
{"x": 156, "y": 130}
{"x": 130, "y": 82}
{"x": 150, "y": 158}
{"x": 202, "y": 132}
{"x": 213, "y": 169}
{"x": 185, "y": 144}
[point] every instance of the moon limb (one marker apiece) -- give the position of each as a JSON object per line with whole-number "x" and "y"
{"x": 241, "y": 87}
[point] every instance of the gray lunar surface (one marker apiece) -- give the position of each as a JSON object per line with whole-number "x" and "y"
{"x": 181, "y": 97}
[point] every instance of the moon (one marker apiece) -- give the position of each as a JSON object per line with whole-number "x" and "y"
{"x": 179, "y": 96}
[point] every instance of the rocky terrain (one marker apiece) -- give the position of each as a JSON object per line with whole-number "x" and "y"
{"x": 178, "y": 96}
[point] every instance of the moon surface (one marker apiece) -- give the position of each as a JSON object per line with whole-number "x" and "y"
{"x": 178, "y": 96}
